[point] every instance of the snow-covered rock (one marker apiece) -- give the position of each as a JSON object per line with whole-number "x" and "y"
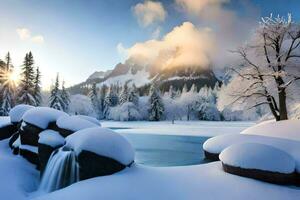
{"x": 74, "y": 123}
{"x": 91, "y": 119}
{"x": 51, "y": 138}
{"x": 103, "y": 142}
{"x": 30, "y": 153}
{"x": 258, "y": 156}
{"x": 217, "y": 144}
{"x": 17, "y": 112}
{"x": 42, "y": 116}
{"x": 288, "y": 129}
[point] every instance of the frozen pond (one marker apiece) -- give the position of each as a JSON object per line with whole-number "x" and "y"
{"x": 166, "y": 144}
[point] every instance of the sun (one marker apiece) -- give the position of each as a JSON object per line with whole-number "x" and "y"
{"x": 13, "y": 76}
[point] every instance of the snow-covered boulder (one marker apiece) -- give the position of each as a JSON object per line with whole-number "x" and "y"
{"x": 259, "y": 161}
{"x": 100, "y": 151}
{"x": 7, "y": 129}
{"x": 91, "y": 119}
{"x": 17, "y": 112}
{"x": 214, "y": 146}
{"x": 29, "y": 134}
{"x": 288, "y": 129}
{"x": 70, "y": 124}
{"x": 42, "y": 116}
{"x": 49, "y": 141}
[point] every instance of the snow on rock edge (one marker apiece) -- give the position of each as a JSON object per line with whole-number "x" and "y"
{"x": 74, "y": 123}
{"x": 102, "y": 141}
{"x": 17, "y": 112}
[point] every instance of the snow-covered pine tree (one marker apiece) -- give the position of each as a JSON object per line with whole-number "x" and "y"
{"x": 134, "y": 95}
{"x": 111, "y": 100}
{"x": 193, "y": 88}
{"x": 156, "y": 109}
{"x": 26, "y": 86}
{"x": 102, "y": 95}
{"x": 37, "y": 88}
{"x": 172, "y": 92}
{"x": 124, "y": 96}
{"x": 65, "y": 97}
{"x": 93, "y": 94}
{"x": 55, "y": 100}
{"x": 7, "y": 88}
{"x": 184, "y": 88}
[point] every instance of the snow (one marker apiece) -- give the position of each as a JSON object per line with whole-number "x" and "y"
{"x": 17, "y": 143}
{"x": 102, "y": 141}
{"x": 258, "y": 156}
{"x": 18, "y": 176}
{"x": 74, "y": 123}
{"x": 17, "y": 112}
{"x": 4, "y": 121}
{"x": 140, "y": 78}
{"x": 288, "y": 129}
{"x": 219, "y": 143}
{"x": 29, "y": 148}
{"x": 189, "y": 128}
{"x": 42, "y": 116}
{"x": 91, "y": 119}
{"x": 207, "y": 181}
{"x": 51, "y": 138}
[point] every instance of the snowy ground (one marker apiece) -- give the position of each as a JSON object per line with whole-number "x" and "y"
{"x": 205, "y": 181}
{"x": 190, "y": 128}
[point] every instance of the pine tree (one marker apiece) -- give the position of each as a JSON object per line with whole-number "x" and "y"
{"x": 184, "y": 89}
{"x": 111, "y": 100}
{"x": 156, "y": 109}
{"x": 124, "y": 97}
{"x": 37, "y": 88}
{"x": 55, "y": 100}
{"x": 65, "y": 97}
{"x": 134, "y": 95}
{"x": 7, "y": 87}
{"x": 102, "y": 95}
{"x": 193, "y": 88}
{"x": 95, "y": 100}
{"x": 172, "y": 92}
{"x": 26, "y": 93}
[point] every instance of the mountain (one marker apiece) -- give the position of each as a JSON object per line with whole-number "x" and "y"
{"x": 142, "y": 76}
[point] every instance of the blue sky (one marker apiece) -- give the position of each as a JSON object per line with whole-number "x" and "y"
{"x": 78, "y": 37}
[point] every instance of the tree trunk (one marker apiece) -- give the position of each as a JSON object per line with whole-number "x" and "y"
{"x": 282, "y": 104}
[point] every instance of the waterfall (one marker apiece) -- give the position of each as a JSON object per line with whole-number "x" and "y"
{"x": 61, "y": 170}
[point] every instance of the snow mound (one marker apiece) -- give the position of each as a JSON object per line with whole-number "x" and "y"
{"x": 102, "y": 141}
{"x": 217, "y": 144}
{"x": 74, "y": 123}
{"x": 5, "y": 121}
{"x": 51, "y": 138}
{"x": 17, "y": 112}
{"x": 91, "y": 119}
{"x": 258, "y": 156}
{"x": 42, "y": 116}
{"x": 288, "y": 129}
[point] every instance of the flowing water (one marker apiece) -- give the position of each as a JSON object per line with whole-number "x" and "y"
{"x": 61, "y": 171}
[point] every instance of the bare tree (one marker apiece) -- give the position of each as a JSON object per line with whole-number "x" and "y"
{"x": 270, "y": 64}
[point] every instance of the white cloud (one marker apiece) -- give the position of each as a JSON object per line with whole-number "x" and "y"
{"x": 122, "y": 51}
{"x": 197, "y": 6}
{"x": 38, "y": 39}
{"x": 149, "y": 13}
{"x": 184, "y": 46}
{"x": 25, "y": 34}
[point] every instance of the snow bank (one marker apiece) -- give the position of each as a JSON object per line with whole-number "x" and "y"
{"x": 42, "y": 116}
{"x": 91, "y": 119}
{"x": 74, "y": 123}
{"x": 207, "y": 181}
{"x": 30, "y": 148}
{"x": 4, "y": 121}
{"x": 288, "y": 129}
{"x": 258, "y": 156}
{"x": 102, "y": 141}
{"x": 217, "y": 144}
{"x": 17, "y": 112}
{"x": 51, "y": 138}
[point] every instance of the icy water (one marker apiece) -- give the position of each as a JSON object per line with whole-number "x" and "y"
{"x": 167, "y": 150}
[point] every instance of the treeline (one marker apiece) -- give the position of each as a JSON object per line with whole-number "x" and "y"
{"x": 126, "y": 104}
{"x": 27, "y": 89}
